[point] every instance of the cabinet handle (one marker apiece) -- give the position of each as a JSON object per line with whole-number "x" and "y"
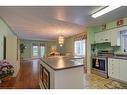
{"x": 106, "y": 39}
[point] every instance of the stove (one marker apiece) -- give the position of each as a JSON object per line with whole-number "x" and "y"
{"x": 100, "y": 65}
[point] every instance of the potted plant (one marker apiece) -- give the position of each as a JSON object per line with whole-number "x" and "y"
{"x": 6, "y": 69}
{"x": 22, "y": 48}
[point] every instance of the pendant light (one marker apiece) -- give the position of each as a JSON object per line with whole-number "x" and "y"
{"x": 61, "y": 40}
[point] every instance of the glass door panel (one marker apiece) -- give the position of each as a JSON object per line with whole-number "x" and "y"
{"x": 35, "y": 51}
{"x": 42, "y": 51}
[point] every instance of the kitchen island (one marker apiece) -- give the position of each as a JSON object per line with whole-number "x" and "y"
{"x": 61, "y": 72}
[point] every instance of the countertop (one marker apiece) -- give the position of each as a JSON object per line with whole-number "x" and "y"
{"x": 62, "y": 62}
{"x": 115, "y": 56}
{"x": 119, "y": 57}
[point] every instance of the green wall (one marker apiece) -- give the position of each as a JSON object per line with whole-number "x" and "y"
{"x": 69, "y": 45}
{"x": 90, "y": 40}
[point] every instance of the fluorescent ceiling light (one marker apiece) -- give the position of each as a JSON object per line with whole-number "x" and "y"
{"x": 104, "y": 11}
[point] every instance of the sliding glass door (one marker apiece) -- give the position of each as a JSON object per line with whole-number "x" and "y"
{"x": 42, "y": 51}
{"x": 38, "y": 51}
{"x": 35, "y": 51}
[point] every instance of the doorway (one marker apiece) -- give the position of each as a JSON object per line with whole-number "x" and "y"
{"x": 35, "y": 52}
{"x": 42, "y": 51}
{"x": 38, "y": 51}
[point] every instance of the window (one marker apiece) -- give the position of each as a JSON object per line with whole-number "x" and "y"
{"x": 124, "y": 40}
{"x": 79, "y": 48}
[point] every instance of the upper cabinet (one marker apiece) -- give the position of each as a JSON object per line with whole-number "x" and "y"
{"x": 102, "y": 37}
{"x": 98, "y": 37}
{"x": 112, "y": 36}
{"x": 115, "y": 37}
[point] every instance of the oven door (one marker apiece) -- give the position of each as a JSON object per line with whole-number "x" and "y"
{"x": 100, "y": 64}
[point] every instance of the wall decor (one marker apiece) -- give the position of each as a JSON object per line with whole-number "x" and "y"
{"x": 103, "y": 26}
{"x": 120, "y": 22}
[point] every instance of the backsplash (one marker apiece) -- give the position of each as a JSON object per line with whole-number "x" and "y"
{"x": 107, "y": 46}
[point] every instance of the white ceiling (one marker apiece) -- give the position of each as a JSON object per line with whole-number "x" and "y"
{"x": 46, "y": 23}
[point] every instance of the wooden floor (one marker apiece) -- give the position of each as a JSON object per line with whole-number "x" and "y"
{"x": 27, "y": 78}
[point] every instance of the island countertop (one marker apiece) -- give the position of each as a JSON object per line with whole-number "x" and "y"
{"x": 62, "y": 62}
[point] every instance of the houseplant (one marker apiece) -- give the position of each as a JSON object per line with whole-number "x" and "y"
{"x": 22, "y": 48}
{"x": 6, "y": 69}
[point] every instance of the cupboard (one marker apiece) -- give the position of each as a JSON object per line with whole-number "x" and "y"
{"x": 102, "y": 37}
{"x": 112, "y": 36}
{"x": 113, "y": 68}
{"x": 117, "y": 69}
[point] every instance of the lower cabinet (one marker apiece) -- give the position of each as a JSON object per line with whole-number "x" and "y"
{"x": 123, "y": 70}
{"x": 117, "y": 69}
{"x": 45, "y": 77}
{"x": 113, "y": 68}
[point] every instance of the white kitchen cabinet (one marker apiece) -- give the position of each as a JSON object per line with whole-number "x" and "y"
{"x": 115, "y": 37}
{"x": 102, "y": 37}
{"x": 117, "y": 69}
{"x": 107, "y": 36}
{"x": 114, "y": 68}
{"x": 112, "y": 36}
{"x": 123, "y": 70}
{"x": 98, "y": 37}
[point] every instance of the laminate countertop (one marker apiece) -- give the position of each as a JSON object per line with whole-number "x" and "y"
{"x": 119, "y": 57}
{"x": 62, "y": 62}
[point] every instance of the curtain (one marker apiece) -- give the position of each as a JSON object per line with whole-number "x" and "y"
{"x": 81, "y": 36}
{"x": 38, "y": 44}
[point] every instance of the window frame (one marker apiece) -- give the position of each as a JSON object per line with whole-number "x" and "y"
{"x": 123, "y": 33}
{"x": 82, "y": 45}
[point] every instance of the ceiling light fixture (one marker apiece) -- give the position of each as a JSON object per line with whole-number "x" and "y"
{"x": 61, "y": 40}
{"x": 104, "y": 11}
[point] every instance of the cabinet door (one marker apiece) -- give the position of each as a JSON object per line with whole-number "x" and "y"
{"x": 123, "y": 70}
{"x": 97, "y": 38}
{"x": 102, "y": 37}
{"x": 109, "y": 67}
{"x": 113, "y": 68}
{"x": 115, "y": 37}
{"x": 107, "y": 36}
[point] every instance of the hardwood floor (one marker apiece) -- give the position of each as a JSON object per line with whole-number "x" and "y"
{"x": 27, "y": 78}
